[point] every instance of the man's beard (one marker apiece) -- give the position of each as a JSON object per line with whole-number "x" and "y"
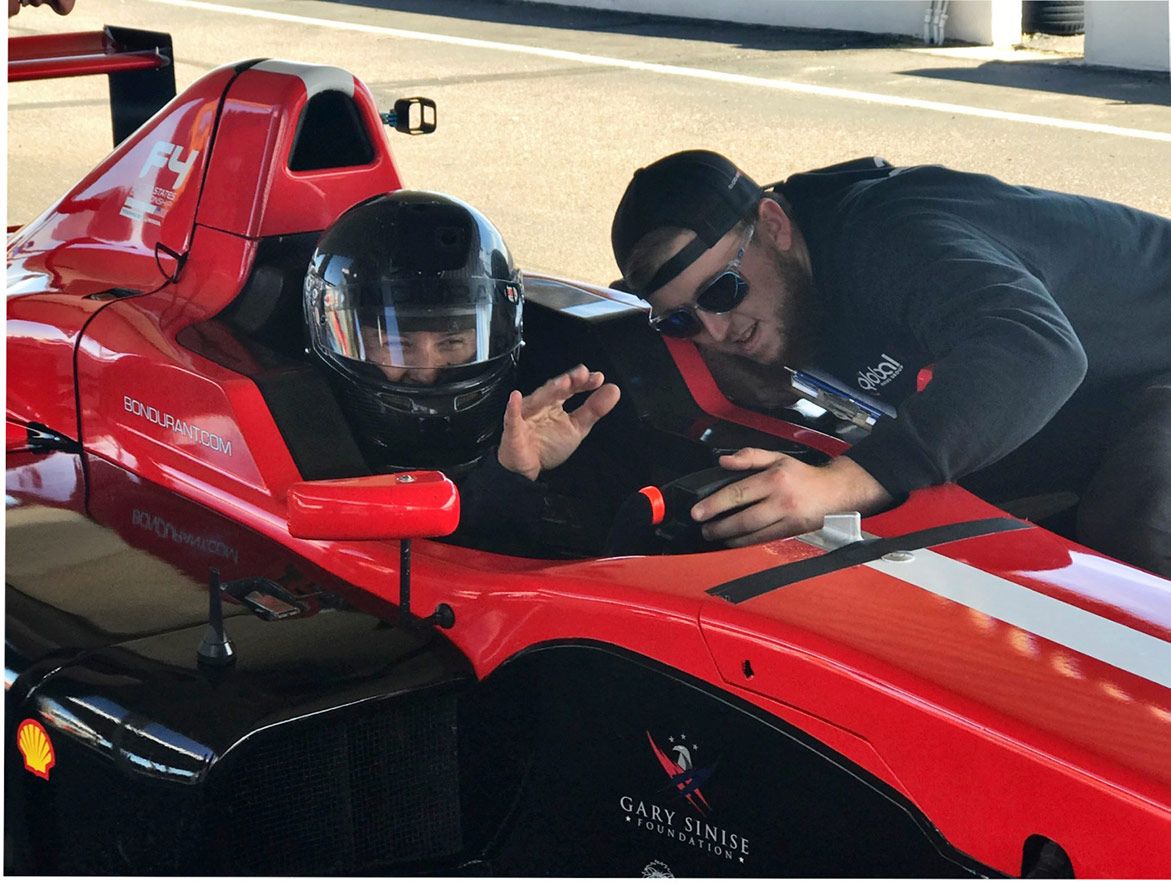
{"x": 797, "y": 312}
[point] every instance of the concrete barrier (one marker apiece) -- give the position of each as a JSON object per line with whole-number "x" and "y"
{"x": 1129, "y": 33}
{"x": 1133, "y": 34}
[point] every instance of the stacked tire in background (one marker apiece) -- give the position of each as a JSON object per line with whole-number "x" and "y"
{"x": 1061, "y": 17}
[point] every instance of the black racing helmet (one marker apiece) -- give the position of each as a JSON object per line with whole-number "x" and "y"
{"x": 413, "y": 303}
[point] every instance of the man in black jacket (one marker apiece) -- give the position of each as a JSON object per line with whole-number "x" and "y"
{"x": 1044, "y": 318}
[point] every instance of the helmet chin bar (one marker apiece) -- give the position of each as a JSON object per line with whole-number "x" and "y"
{"x": 441, "y": 430}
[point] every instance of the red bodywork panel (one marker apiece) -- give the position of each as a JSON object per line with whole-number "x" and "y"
{"x": 989, "y": 680}
{"x": 157, "y": 209}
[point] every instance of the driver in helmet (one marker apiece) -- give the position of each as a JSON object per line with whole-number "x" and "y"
{"x": 414, "y": 306}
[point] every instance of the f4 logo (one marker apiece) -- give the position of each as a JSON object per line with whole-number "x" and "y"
{"x": 164, "y": 154}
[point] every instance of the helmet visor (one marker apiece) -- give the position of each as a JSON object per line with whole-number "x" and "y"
{"x": 419, "y": 326}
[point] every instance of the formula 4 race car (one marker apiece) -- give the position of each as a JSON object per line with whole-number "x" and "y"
{"x": 232, "y": 649}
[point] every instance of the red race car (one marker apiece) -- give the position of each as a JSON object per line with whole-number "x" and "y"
{"x": 942, "y": 689}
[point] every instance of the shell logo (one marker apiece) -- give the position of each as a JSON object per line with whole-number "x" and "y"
{"x": 36, "y": 748}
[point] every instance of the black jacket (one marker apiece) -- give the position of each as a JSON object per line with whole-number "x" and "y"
{"x": 500, "y": 511}
{"x": 1019, "y": 297}
{"x": 563, "y": 514}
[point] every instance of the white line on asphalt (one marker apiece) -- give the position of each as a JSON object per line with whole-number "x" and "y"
{"x": 678, "y": 71}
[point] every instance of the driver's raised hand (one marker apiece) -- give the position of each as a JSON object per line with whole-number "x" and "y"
{"x": 539, "y": 433}
{"x": 787, "y": 498}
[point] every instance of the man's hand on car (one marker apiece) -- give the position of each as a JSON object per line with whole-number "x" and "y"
{"x": 789, "y": 497}
{"x": 539, "y": 433}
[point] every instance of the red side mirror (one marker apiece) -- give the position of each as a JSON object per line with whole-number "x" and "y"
{"x": 403, "y": 505}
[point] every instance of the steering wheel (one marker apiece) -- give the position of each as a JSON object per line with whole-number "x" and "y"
{"x": 658, "y": 520}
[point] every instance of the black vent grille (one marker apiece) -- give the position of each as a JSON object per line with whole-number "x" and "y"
{"x": 340, "y": 792}
{"x": 99, "y": 820}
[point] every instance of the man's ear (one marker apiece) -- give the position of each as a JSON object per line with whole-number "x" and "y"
{"x": 772, "y": 221}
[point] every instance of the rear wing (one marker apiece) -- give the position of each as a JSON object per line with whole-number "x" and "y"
{"x": 140, "y": 66}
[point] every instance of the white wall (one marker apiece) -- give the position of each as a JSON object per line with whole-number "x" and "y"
{"x": 885, "y": 17}
{"x": 1119, "y": 33}
{"x": 1129, "y": 33}
{"x": 975, "y": 21}
{"x": 989, "y": 22}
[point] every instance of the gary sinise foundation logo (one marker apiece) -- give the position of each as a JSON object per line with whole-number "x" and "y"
{"x": 681, "y": 813}
{"x": 684, "y": 777}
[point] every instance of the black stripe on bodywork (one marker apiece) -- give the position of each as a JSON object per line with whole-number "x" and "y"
{"x": 748, "y": 587}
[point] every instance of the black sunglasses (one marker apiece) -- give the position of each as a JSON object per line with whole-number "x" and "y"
{"x": 724, "y": 292}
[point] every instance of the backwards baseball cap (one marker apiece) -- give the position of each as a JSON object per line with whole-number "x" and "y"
{"x": 697, "y": 190}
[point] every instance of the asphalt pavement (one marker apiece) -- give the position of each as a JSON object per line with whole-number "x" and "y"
{"x": 545, "y": 112}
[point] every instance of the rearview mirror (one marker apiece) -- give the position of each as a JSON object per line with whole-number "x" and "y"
{"x": 414, "y": 116}
{"x": 403, "y": 505}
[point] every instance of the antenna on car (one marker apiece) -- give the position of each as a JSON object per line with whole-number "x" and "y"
{"x": 216, "y": 648}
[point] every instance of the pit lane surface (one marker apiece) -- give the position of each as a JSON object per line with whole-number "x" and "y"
{"x": 545, "y": 112}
